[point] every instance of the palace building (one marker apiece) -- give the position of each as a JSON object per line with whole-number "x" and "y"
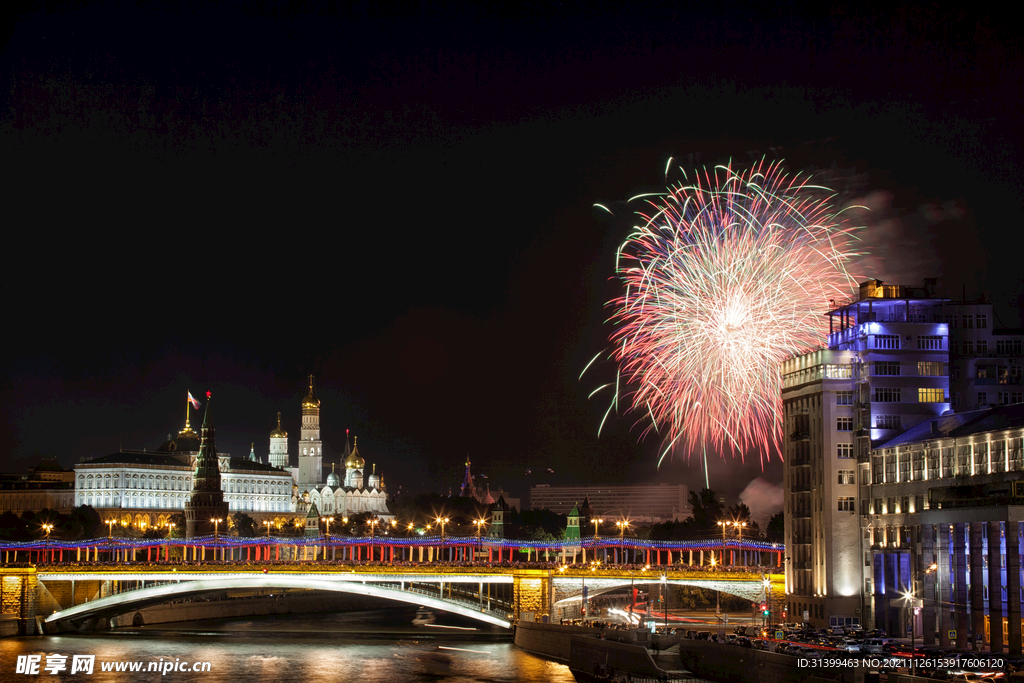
{"x": 145, "y": 488}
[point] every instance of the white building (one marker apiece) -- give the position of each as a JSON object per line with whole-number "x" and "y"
{"x": 144, "y": 488}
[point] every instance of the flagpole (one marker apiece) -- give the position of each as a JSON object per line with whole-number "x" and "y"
{"x": 188, "y": 404}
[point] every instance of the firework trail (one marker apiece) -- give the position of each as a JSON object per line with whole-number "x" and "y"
{"x": 726, "y": 277}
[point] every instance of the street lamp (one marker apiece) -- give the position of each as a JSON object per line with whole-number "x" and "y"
{"x": 664, "y": 598}
{"x": 912, "y": 599}
{"x": 596, "y": 523}
{"x": 110, "y": 528}
{"x": 268, "y": 524}
{"x": 327, "y": 521}
{"x": 479, "y": 526}
{"x": 170, "y": 529}
{"x": 216, "y": 528}
{"x": 372, "y": 522}
{"x": 47, "y": 528}
{"x": 442, "y": 521}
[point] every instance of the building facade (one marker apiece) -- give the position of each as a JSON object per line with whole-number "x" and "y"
{"x": 948, "y": 494}
{"x": 893, "y": 353}
{"x": 637, "y": 502}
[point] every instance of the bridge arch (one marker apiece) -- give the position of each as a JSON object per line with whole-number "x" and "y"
{"x": 122, "y": 603}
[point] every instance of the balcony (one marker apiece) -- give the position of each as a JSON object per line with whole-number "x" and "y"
{"x": 800, "y": 488}
{"x": 802, "y": 513}
{"x": 803, "y": 461}
{"x": 799, "y": 436}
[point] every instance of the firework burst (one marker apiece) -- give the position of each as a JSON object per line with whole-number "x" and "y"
{"x": 726, "y": 277}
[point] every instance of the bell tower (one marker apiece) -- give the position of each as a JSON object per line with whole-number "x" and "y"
{"x": 310, "y": 446}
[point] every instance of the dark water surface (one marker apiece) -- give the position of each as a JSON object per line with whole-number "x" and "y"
{"x": 369, "y": 646}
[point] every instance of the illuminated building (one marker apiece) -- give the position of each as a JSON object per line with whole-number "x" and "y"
{"x": 637, "y": 502}
{"x": 887, "y": 368}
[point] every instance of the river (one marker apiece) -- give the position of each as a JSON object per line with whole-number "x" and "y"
{"x": 368, "y": 647}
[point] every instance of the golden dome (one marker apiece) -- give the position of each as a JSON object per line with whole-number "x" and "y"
{"x": 354, "y": 461}
{"x": 278, "y": 433}
{"x": 311, "y": 401}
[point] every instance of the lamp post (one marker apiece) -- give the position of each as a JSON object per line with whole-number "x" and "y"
{"x": 596, "y": 523}
{"x": 664, "y": 598}
{"x": 268, "y": 524}
{"x": 479, "y": 527}
{"x": 327, "y": 521}
{"x": 170, "y": 529}
{"x": 110, "y": 528}
{"x": 911, "y": 597}
{"x": 216, "y": 529}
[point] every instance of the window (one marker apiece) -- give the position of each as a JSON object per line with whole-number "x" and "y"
{"x": 982, "y": 347}
{"x": 846, "y": 504}
{"x": 887, "y": 341}
{"x": 968, "y": 321}
{"x": 887, "y": 368}
{"x": 844, "y": 398}
{"x": 844, "y": 450}
{"x": 954, "y": 348}
{"x": 844, "y": 424}
{"x": 1004, "y": 397}
{"x": 982, "y": 398}
{"x": 951, "y": 321}
{"x": 838, "y": 372}
{"x": 887, "y": 395}
{"x": 846, "y": 477}
{"x": 968, "y": 348}
{"x": 981, "y": 321}
{"x": 931, "y": 395}
{"x": 887, "y": 421}
{"x": 954, "y": 374}
{"x": 929, "y": 343}
{"x": 1008, "y": 347}
{"x": 931, "y": 369}
{"x": 955, "y": 399}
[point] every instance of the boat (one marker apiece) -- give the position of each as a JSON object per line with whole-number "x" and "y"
{"x": 423, "y": 617}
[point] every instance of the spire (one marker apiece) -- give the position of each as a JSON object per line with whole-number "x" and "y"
{"x": 206, "y": 500}
{"x": 252, "y": 452}
{"x": 468, "y": 488}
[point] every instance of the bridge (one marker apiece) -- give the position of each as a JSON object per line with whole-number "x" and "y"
{"x": 76, "y": 586}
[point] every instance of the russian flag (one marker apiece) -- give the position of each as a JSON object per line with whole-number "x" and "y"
{"x": 193, "y": 401}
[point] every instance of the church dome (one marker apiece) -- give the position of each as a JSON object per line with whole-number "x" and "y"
{"x": 354, "y": 461}
{"x": 333, "y": 479}
{"x": 311, "y": 401}
{"x": 278, "y": 433}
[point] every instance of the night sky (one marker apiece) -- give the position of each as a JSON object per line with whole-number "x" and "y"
{"x": 400, "y": 201}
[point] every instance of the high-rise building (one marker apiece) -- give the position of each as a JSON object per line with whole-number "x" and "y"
{"x": 884, "y": 371}
{"x": 892, "y": 354}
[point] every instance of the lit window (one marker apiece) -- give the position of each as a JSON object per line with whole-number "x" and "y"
{"x": 844, "y": 450}
{"x": 931, "y": 369}
{"x": 846, "y": 503}
{"x": 931, "y": 395}
{"x": 929, "y": 343}
{"x": 844, "y": 398}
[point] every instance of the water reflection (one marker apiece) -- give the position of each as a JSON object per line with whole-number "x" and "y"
{"x": 368, "y": 647}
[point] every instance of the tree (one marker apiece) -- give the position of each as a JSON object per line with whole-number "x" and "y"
{"x": 705, "y": 512}
{"x": 244, "y": 525}
{"x": 777, "y": 527}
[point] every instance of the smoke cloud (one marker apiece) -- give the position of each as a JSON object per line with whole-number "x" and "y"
{"x": 763, "y": 498}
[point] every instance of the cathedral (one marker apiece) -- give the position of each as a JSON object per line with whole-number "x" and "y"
{"x": 330, "y": 494}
